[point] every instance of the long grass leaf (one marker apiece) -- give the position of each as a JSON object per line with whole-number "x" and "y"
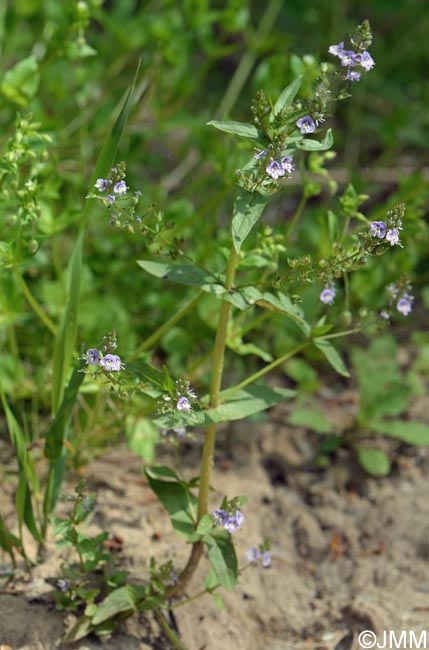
{"x": 65, "y": 341}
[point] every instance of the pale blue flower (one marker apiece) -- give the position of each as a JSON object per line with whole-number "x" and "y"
{"x": 275, "y": 170}
{"x": 101, "y": 184}
{"x": 111, "y": 363}
{"x": 306, "y": 125}
{"x": 120, "y": 187}
{"x": 327, "y": 296}
{"x": 377, "y": 229}
{"x": 183, "y": 404}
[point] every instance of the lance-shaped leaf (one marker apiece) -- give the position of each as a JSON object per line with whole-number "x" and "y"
{"x": 307, "y": 144}
{"x": 374, "y": 461}
{"x": 242, "y": 129}
{"x": 248, "y": 207}
{"x": 279, "y": 303}
{"x": 177, "y": 499}
{"x": 331, "y": 355}
{"x": 246, "y": 402}
{"x": 287, "y": 95}
{"x": 192, "y": 275}
{"x": 123, "y": 599}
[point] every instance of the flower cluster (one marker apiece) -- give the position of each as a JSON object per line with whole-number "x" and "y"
{"x": 104, "y": 359}
{"x": 255, "y": 554}
{"x": 114, "y": 185}
{"x": 401, "y": 297}
{"x": 179, "y": 400}
{"x": 389, "y": 229}
{"x": 231, "y": 521}
{"x": 277, "y": 169}
{"x": 108, "y": 362}
{"x": 358, "y": 57}
{"x": 328, "y": 294}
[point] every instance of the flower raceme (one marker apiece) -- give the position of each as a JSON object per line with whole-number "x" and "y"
{"x": 109, "y": 362}
{"x": 277, "y": 169}
{"x": 230, "y": 521}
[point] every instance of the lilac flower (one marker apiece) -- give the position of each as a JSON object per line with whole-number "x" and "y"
{"x": 92, "y": 357}
{"x": 366, "y": 61}
{"x": 384, "y": 314}
{"x": 63, "y": 584}
{"x": 377, "y": 229}
{"x": 174, "y": 580}
{"x": 234, "y": 522}
{"x": 111, "y": 363}
{"x": 275, "y": 170}
{"x": 266, "y": 560}
{"x": 348, "y": 58}
{"x": 287, "y": 164}
{"x": 183, "y": 404}
{"x": 327, "y": 296}
{"x": 220, "y": 517}
{"x": 111, "y": 199}
{"x": 120, "y": 188}
{"x": 352, "y": 75}
{"x": 253, "y": 554}
{"x": 405, "y": 304}
{"x": 260, "y": 154}
{"x": 336, "y": 50}
{"x": 306, "y": 125}
{"x": 392, "y": 236}
{"x": 101, "y": 184}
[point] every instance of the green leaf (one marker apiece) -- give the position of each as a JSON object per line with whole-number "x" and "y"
{"x": 223, "y": 559}
{"x": 79, "y": 630}
{"x": 124, "y": 599}
{"x": 178, "y": 501}
{"x": 192, "y": 275}
{"x": 205, "y": 525}
{"x": 248, "y": 207}
{"x": 241, "y": 129}
{"x": 314, "y": 145}
{"x": 65, "y": 341}
{"x": 373, "y": 461}
{"x": 332, "y": 356}
{"x": 55, "y": 434}
{"x": 281, "y": 304}
{"x": 312, "y": 419}
{"x": 20, "y": 83}
{"x": 249, "y": 401}
{"x": 411, "y": 432}
{"x": 287, "y": 95}
{"x": 146, "y": 373}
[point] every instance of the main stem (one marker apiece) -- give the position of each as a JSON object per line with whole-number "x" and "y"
{"x": 210, "y": 438}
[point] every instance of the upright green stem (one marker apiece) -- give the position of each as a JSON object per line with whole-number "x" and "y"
{"x": 210, "y": 438}
{"x": 33, "y": 303}
{"x": 215, "y": 386}
{"x": 296, "y": 216}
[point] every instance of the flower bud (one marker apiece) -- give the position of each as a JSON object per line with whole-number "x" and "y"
{"x": 33, "y": 246}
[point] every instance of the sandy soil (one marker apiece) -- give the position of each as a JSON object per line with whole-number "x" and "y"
{"x": 349, "y": 552}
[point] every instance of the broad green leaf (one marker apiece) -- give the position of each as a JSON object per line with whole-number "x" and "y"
{"x": 280, "y": 304}
{"x": 178, "y": 501}
{"x": 123, "y": 599}
{"x": 192, "y": 275}
{"x": 409, "y": 431}
{"x": 205, "y": 525}
{"x": 332, "y": 356}
{"x": 311, "y": 418}
{"x": 163, "y": 470}
{"x": 308, "y": 144}
{"x": 79, "y": 630}
{"x": 246, "y": 402}
{"x": 248, "y": 207}
{"x": 373, "y": 461}
{"x": 287, "y": 95}
{"x": 241, "y": 129}
{"x": 20, "y": 83}
{"x": 223, "y": 559}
